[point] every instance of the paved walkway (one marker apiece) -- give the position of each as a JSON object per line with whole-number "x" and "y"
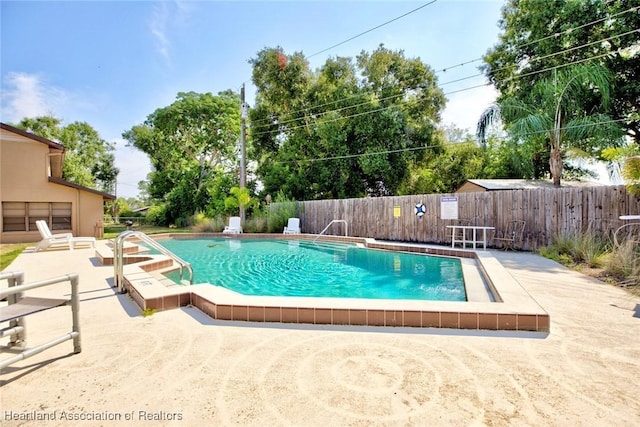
{"x": 182, "y": 368}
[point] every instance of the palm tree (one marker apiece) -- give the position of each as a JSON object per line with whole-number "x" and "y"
{"x": 240, "y": 198}
{"x": 564, "y": 110}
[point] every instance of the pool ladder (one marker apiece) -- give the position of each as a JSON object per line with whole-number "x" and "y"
{"x": 118, "y": 256}
{"x": 346, "y": 228}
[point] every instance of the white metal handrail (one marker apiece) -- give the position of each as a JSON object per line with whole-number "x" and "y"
{"x": 19, "y": 307}
{"x": 118, "y": 256}
{"x": 346, "y": 228}
{"x": 619, "y": 235}
{"x": 628, "y": 228}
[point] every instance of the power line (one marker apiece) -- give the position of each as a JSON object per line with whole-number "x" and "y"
{"x": 445, "y": 83}
{"x": 566, "y": 65}
{"x": 372, "y": 29}
{"x": 446, "y": 93}
{"x": 539, "y": 58}
{"x": 568, "y": 31}
{"x": 354, "y": 37}
{"x": 557, "y": 34}
{"x": 424, "y": 147}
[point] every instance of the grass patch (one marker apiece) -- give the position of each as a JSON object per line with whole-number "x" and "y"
{"x": 9, "y": 252}
{"x": 112, "y": 230}
{"x": 598, "y": 257}
{"x": 148, "y": 312}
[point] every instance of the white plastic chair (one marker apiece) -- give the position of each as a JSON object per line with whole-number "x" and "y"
{"x": 234, "y": 226}
{"x": 293, "y": 226}
{"x": 60, "y": 239}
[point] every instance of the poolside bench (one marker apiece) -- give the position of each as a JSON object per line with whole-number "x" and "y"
{"x": 18, "y": 307}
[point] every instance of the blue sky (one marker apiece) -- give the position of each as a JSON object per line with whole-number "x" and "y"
{"x": 112, "y": 63}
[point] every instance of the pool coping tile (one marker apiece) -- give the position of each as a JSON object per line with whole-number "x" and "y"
{"x": 509, "y": 307}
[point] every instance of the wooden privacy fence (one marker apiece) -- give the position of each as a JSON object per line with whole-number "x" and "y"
{"x": 547, "y": 212}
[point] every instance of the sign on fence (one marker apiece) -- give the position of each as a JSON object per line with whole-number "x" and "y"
{"x": 448, "y": 208}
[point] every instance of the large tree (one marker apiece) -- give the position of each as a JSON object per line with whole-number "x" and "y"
{"x": 349, "y": 129}
{"x": 89, "y": 160}
{"x": 542, "y": 35}
{"x": 553, "y": 115}
{"x": 190, "y": 143}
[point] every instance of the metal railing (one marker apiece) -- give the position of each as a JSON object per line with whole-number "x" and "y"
{"x": 118, "y": 256}
{"x": 346, "y": 228}
{"x": 20, "y": 307}
{"x": 627, "y": 233}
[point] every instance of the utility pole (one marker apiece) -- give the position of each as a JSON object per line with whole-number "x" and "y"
{"x": 115, "y": 202}
{"x": 243, "y": 151}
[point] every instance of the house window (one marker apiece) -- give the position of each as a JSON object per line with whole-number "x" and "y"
{"x": 22, "y": 216}
{"x": 14, "y": 216}
{"x": 60, "y": 216}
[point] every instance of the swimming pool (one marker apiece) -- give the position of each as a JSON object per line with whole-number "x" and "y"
{"x": 281, "y": 267}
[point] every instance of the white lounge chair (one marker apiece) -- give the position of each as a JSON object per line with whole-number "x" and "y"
{"x": 293, "y": 226}
{"x": 60, "y": 239}
{"x": 234, "y": 226}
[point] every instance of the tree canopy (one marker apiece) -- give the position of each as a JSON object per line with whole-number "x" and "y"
{"x": 541, "y": 36}
{"x": 89, "y": 160}
{"x": 349, "y": 129}
{"x": 553, "y": 115}
{"x": 192, "y": 146}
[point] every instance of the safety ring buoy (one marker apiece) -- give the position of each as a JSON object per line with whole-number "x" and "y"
{"x": 420, "y": 210}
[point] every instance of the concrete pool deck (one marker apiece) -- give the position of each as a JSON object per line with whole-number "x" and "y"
{"x": 181, "y": 367}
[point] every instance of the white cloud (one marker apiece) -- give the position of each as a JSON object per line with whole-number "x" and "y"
{"x": 158, "y": 27}
{"x": 167, "y": 16}
{"x": 26, "y": 95}
{"x": 464, "y": 108}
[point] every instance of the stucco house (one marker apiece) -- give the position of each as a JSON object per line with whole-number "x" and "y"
{"x": 31, "y": 188}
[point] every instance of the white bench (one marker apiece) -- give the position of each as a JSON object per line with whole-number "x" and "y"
{"x": 473, "y": 239}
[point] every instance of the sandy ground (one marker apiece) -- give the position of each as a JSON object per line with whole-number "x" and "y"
{"x": 182, "y": 368}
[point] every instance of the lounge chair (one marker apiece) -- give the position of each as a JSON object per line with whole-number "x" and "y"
{"x": 234, "y": 226}
{"x": 59, "y": 239}
{"x": 293, "y": 226}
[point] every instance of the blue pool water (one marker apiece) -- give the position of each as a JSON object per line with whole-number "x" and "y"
{"x": 304, "y": 268}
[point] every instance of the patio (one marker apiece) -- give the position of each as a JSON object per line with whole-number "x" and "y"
{"x": 180, "y": 367}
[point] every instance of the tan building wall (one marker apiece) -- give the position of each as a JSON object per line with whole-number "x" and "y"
{"x": 470, "y": 187}
{"x": 30, "y": 171}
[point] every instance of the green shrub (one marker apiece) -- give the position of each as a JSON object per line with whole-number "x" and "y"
{"x": 553, "y": 253}
{"x": 198, "y": 219}
{"x": 624, "y": 263}
{"x": 130, "y": 214}
{"x": 279, "y": 212}
{"x": 256, "y": 224}
{"x": 209, "y": 225}
{"x": 590, "y": 249}
{"x": 157, "y": 215}
{"x": 577, "y": 248}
